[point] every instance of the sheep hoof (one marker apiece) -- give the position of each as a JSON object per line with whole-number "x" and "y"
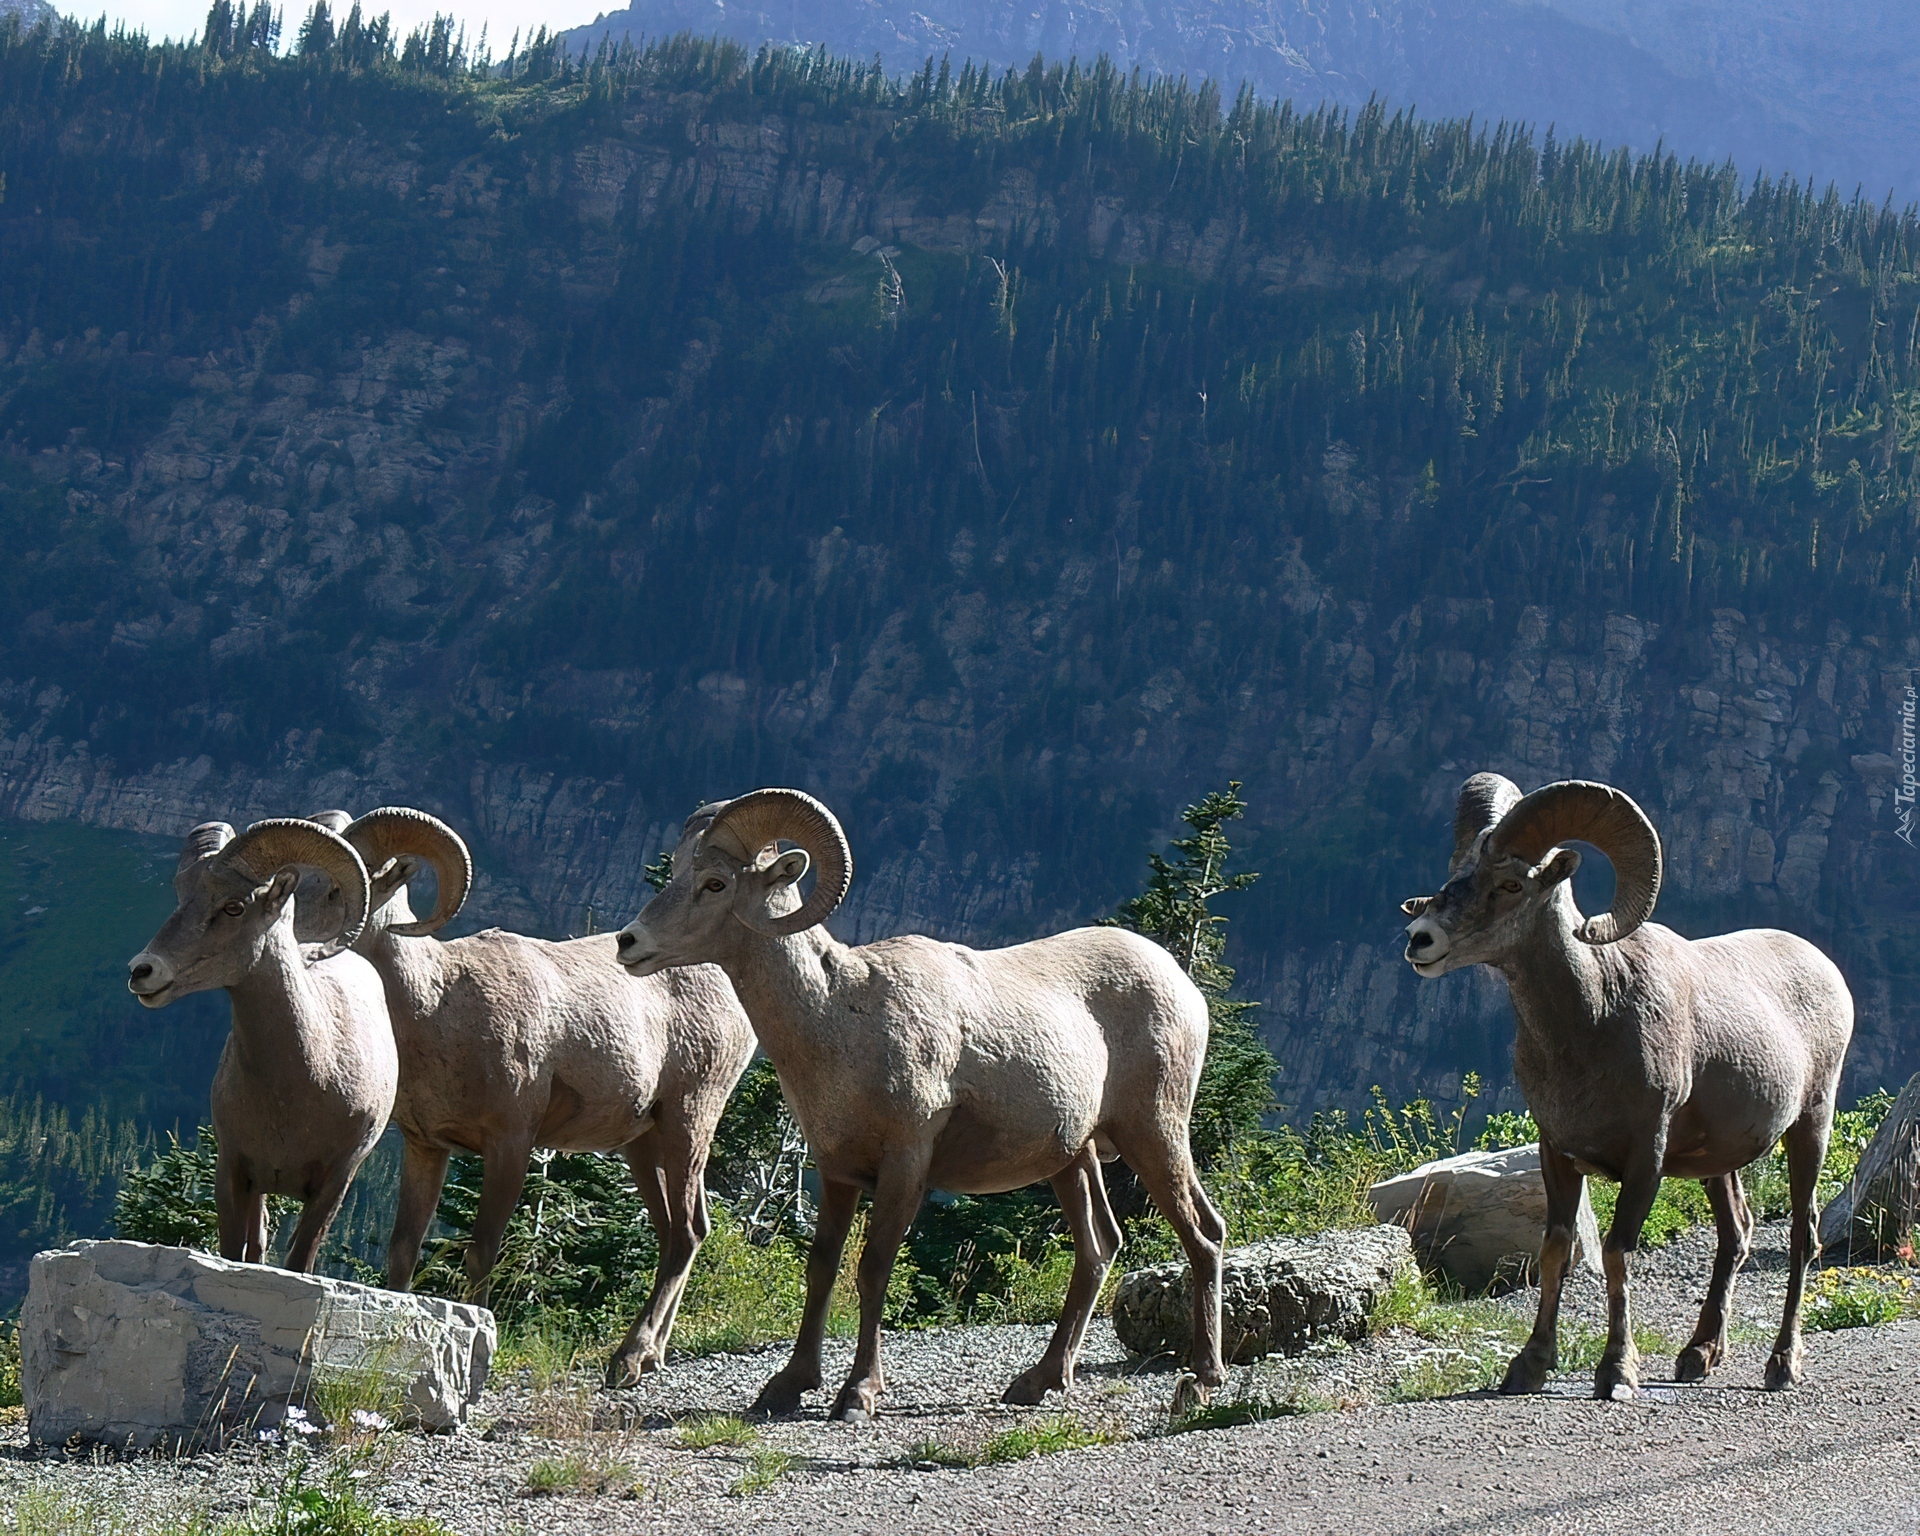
{"x": 1695, "y": 1361}
{"x": 1189, "y": 1396}
{"x": 625, "y": 1370}
{"x": 1030, "y": 1388}
{"x": 1616, "y": 1381}
{"x": 778, "y": 1399}
{"x": 1783, "y": 1371}
{"x": 1527, "y": 1375}
{"x": 852, "y": 1408}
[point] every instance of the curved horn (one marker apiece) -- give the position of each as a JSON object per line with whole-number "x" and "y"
{"x": 1607, "y": 818}
{"x": 744, "y": 826}
{"x": 203, "y": 842}
{"x": 1484, "y": 799}
{"x": 333, "y": 821}
{"x": 268, "y": 846}
{"x": 394, "y": 830}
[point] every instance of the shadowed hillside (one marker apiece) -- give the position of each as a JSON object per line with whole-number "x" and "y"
{"x": 1006, "y": 458}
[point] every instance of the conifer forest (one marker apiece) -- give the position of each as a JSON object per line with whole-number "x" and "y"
{"x": 556, "y": 440}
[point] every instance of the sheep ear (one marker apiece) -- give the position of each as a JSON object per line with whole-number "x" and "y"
{"x": 281, "y": 887}
{"x": 787, "y": 868}
{"x": 1557, "y": 866}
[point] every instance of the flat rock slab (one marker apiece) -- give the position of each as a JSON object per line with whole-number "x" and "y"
{"x": 133, "y": 1345}
{"x": 1480, "y": 1217}
{"x": 1276, "y": 1297}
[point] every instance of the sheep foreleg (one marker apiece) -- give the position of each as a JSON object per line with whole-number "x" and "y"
{"x": 1618, "y": 1374}
{"x": 1541, "y": 1355}
{"x": 897, "y": 1194}
{"x": 423, "y": 1174}
{"x": 801, "y": 1373}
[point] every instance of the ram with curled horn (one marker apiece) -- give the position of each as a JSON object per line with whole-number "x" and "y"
{"x": 912, "y": 1064}
{"x": 1642, "y": 1055}
{"x": 307, "y": 1079}
{"x": 508, "y": 1043}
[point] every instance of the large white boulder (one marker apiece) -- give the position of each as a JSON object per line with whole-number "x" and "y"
{"x": 1480, "y": 1216}
{"x": 133, "y": 1345}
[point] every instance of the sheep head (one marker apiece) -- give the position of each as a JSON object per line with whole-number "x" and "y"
{"x": 232, "y": 892}
{"x": 729, "y": 869}
{"x": 1508, "y": 863}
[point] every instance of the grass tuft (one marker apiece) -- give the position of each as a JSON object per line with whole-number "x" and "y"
{"x": 1045, "y": 1435}
{"x": 580, "y": 1475}
{"x": 703, "y": 1430}
{"x": 768, "y": 1467}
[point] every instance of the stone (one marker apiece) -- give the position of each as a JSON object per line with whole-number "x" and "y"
{"x": 1876, "y": 1214}
{"x": 1479, "y": 1217}
{"x": 1276, "y": 1297}
{"x": 133, "y": 1345}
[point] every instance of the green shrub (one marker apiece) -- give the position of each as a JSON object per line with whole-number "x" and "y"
{"x": 170, "y": 1199}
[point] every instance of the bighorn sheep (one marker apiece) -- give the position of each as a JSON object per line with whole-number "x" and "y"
{"x": 509, "y": 1043}
{"x": 913, "y": 1064}
{"x": 1641, "y": 1053}
{"x": 307, "y": 1079}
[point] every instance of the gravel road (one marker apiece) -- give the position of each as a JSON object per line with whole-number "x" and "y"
{"x": 1842, "y": 1454}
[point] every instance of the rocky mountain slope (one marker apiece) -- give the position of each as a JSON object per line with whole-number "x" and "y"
{"x": 1008, "y": 470}
{"x": 1790, "y": 86}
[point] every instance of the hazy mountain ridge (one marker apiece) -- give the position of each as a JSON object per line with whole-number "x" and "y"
{"x": 1784, "y": 86}
{"x": 956, "y": 548}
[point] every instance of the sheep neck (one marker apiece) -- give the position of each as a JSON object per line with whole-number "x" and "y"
{"x": 413, "y": 971}
{"x": 282, "y": 1028}
{"x": 1560, "y": 989}
{"x": 786, "y": 987}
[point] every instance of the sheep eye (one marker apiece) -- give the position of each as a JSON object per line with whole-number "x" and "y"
{"x": 716, "y": 885}
{"x": 1511, "y": 887}
{"x": 235, "y": 909}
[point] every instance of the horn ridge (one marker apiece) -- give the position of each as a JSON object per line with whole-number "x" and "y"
{"x": 1484, "y": 799}
{"x": 268, "y": 846}
{"x": 393, "y": 830}
{"x": 1609, "y": 819}
{"x": 744, "y": 826}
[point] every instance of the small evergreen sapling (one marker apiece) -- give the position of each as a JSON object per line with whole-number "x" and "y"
{"x": 1236, "y": 1086}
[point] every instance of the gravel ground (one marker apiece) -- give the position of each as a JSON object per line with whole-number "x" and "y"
{"x": 1842, "y": 1454}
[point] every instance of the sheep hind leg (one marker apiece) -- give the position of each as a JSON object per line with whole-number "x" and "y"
{"x": 671, "y": 1179}
{"x": 1166, "y": 1167}
{"x": 801, "y": 1374}
{"x": 1708, "y": 1346}
{"x": 1806, "y": 1151}
{"x": 1082, "y": 1194}
{"x": 1540, "y": 1356}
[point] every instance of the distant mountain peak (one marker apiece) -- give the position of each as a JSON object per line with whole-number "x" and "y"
{"x": 1789, "y": 87}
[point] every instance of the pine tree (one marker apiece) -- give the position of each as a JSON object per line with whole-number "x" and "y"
{"x": 1236, "y": 1085}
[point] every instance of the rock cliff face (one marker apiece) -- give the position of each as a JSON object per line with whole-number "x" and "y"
{"x": 385, "y": 493}
{"x": 1766, "y": 765}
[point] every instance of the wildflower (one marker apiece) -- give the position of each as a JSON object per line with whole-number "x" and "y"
{"x": 366, "y": 1418}
{"x": 299, "y": 1423}
{"x": 267, "y": 1436}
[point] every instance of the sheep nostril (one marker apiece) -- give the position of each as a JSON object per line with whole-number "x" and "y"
{"x": 1419, "y": 940}
{"x": 626, "y": 939}
{"x": 142, "y": 972}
